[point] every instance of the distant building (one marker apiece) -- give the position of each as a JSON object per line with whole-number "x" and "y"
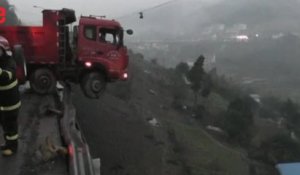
{"x": 242, "y": 38}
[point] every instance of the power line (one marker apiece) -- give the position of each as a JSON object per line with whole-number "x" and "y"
{"x": 148, "y": 9}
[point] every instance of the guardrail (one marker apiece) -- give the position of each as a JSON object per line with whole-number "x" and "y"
{"x": 80, "y": 161}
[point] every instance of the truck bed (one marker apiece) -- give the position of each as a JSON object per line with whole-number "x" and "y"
{"x": 36, "y": 125}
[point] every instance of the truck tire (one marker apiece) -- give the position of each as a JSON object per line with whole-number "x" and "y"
{"x": 43, "y": 81}
{"x": 18, "y": 55}
{"x": 93, "y": 84}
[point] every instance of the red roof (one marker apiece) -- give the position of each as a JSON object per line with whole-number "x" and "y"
{"x": 99, "y": 22}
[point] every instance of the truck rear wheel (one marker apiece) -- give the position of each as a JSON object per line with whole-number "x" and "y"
{"x": 93, "y": 84}
{"x": 43, "y": 81}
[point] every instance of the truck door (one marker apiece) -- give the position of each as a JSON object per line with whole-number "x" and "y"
{"x": 98, "y": 43}
{"x": 108, "y": 42}
{"x": 88, "y": 43}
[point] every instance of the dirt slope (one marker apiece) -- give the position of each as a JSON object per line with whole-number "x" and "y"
{"x": 118, "y": 130}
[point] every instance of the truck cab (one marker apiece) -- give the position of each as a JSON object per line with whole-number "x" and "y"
{"x": 100, "y": 45}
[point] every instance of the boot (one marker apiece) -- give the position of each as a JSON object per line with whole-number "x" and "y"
{"x": 10, "y": 148}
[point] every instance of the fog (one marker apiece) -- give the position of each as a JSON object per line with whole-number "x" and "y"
{"x": 112, "y": 8}
{"x": 198, "y": 19}
{"x": 179, "y": 19}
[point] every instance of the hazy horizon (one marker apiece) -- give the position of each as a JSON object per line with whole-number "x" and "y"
{"x": 112, "y": 9}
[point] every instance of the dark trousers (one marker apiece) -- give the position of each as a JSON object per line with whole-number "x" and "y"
{"x": 9, "y": 123}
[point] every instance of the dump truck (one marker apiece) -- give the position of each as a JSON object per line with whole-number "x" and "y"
{"x": 94, "y": 55}
{"x": 52, "y": 57}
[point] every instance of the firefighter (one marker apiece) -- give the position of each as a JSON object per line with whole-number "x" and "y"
{"x": 9, "y": 100}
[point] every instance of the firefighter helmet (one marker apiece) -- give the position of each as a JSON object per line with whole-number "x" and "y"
{"x": 4, "y": 45}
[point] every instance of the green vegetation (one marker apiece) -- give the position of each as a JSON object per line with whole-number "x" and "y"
{"x": 231, "y": 108}
{"x": 239, "y": 120}
{"x": 182, "y": 68}
{"x": 204, "y": 155}
{"x": 199, "y": 79}
{"x": 280, "y": 148}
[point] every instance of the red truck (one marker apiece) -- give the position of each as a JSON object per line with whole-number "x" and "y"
{"x": 46, "y": 54}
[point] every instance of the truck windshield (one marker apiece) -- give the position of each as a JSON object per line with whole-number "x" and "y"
{"x": 113, "y": 36}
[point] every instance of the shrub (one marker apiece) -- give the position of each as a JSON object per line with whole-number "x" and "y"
{"x": 238, "y": 120}
{"x": 280, "y": 148}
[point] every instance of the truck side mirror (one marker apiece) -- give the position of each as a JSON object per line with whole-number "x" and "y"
{"x": 129, "y": 31}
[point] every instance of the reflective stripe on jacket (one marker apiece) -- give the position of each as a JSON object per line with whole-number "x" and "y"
{"x": 9, "y": 92}
{"x": 10, "y": 108}
{"x": 9, "y": 86}
{"x": 13, "y": 137}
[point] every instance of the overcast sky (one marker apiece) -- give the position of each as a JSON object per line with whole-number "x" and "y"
{"x": 110, "y": 8}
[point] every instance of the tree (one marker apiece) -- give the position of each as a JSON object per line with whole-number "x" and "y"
{"x": 238, "y": 120}
{"x": 179, "y": 86}
{"x": 182, "y": 68}
{"x": 207, "y": 85}
{"x": 289, "y": 111}
{"x": 196, "y": 76}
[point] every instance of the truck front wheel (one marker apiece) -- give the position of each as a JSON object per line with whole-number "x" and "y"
{"x": 43, "y": 81}
{"x": 93, "y": 84}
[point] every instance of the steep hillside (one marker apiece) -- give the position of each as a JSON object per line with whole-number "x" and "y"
{"x": 135, "y": 129}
